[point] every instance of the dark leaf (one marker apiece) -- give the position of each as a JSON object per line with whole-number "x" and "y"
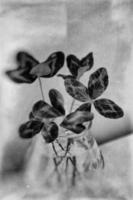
{"x": 31, "y": 116}
{"x": 76, "y": 89}
{"x": 85, "y": 107}
{"x": 30, "y": 129}
{"x": 87, "y": 61}
{"x": 74, "y": 121}
{"x": 57, "y": 100}
{"x": 73, "y": 64}
{"x": 25, "y": 60}
{"x": 42, "y": 110}
{"x": 98, "y": 83}
{"x": 108, "y": 108}
{"x": 50, "y": 132}
{"x": 86, "y": 64}
{"x": 79, "y": 67}
{"x": 65, "y": 76}
{"x": 21, "y": 75}
{"x": 51, "y": 66}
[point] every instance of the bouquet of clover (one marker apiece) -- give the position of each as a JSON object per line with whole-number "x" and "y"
{"x": 59, "y": 130}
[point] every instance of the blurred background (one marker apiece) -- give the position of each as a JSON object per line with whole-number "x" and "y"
{"x": 74, "y": 27}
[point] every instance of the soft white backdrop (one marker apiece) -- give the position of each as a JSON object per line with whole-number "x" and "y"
{"x": 78, "y": 27}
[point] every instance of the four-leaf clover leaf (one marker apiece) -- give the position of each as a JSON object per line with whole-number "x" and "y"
{"x": 29, "y": 68}
{"x": 25, "y": 63}
{"x": 74, "y": 121}
{"x": 97, "y": 84}
{"x": 42, "y": 117}
{"x": 79, "y": 67}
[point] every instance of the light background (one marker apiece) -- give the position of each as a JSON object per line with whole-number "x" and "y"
{"x": 77, "y": 27}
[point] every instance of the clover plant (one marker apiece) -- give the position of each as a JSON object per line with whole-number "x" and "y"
{"x": 75, "y": 126}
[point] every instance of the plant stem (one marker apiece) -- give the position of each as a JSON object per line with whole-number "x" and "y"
{"x": 72, "y": 104}
{"x": 74, "y": 171}
{"x": 54, "y": 149}
{"x": 68, "y": 142}
{"x": 43, "y": 98}
{"x": 56, "y": 169}
{"x": 60, "y": 145}
{"x": 90, "y": 124}
{"x": 35, "y": 148}
{"x": 66, "y": 168}
{"x": 40, "y": 84}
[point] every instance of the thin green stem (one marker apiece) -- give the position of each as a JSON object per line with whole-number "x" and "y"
{"x": 72, "y": 104}
{"x": 66, "y": 168}
{"x": 35, "y": 141}
{"x": 71, "y": 108}
{"x": 90, "y": 124}
{"x": 43, "y": 98}
{"x": 54, "y": 149}
{"x": 41, "y": 89}
{"x": 74, "y": 171}
{"x": 56, "y": 169}
{"x": 60, "y": 145}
